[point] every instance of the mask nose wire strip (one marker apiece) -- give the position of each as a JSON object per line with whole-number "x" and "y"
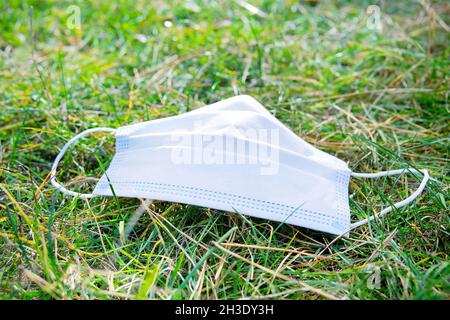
{"x": 399, "y": 204}
{"x": 58, "y": 158}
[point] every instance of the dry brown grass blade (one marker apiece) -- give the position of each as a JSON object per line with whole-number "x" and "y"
{"x": 241, "y": 245}
{"x": 377, "y": 252}
{"x": 44, "y": 285}
{"x": 278, "y": 275}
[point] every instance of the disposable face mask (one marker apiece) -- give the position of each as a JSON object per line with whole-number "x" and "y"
{"x": 234, "y": 156}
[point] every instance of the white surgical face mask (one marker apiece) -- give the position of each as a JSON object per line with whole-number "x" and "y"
{"x": 234, "y": 156}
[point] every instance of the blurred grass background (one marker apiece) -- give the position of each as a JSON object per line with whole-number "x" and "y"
{"x": 377, "y": 98}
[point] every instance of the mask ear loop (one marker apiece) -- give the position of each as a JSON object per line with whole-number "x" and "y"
{"x": 399, "y": 204}
{"x": 58, "y": 158}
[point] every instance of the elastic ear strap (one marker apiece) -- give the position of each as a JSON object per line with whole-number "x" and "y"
{"x": 53, "y": 181}
{"x": 399, "y": 204}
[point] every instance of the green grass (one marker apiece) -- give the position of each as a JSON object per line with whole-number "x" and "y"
{"x": 378, "y": 100}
